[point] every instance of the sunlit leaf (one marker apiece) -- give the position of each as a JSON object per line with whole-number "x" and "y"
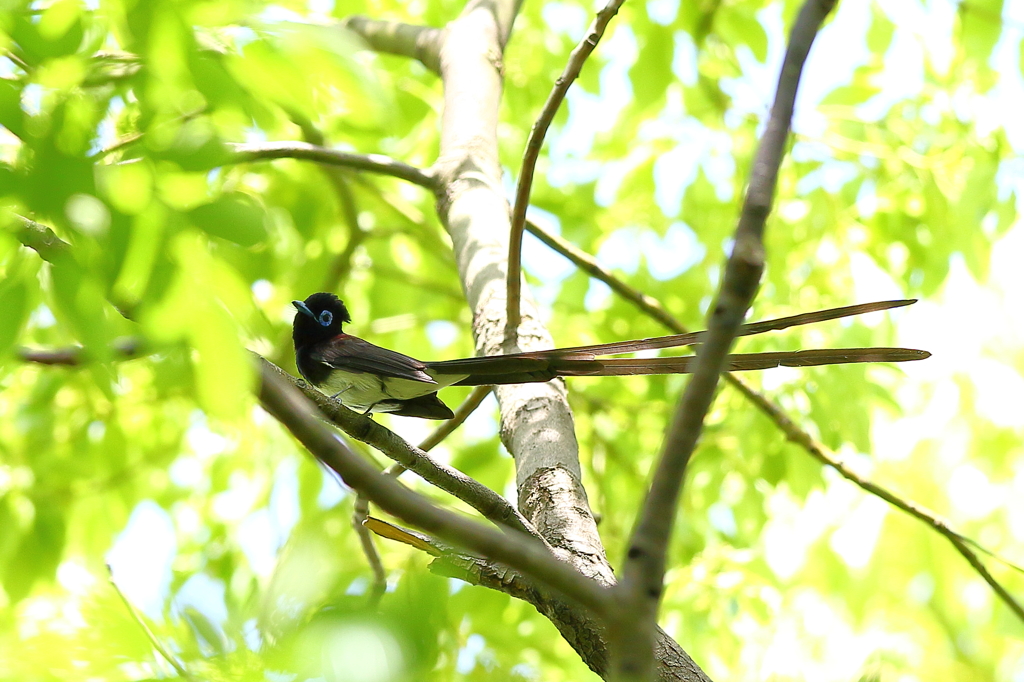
{"x": 235, "y": 217}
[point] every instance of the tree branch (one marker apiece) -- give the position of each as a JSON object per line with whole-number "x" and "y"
{"x": 361, "y": 510}
{"x": 536, "y": 423}
{"x": 374, "y": 163}
{"x": 422, "y": 43}
{"x": 75, "y": 355}
{"x": 121, "y": 143}
{"x": 584, "y": 261}
{"x": 36, "y": 234}
{"x": 580, "y": 629}
{"x": 42, "y": 240}
{"x": 492, "y": 506}
{"x": 793, "y": 432}
{"x": 525, "y": 554}
{"x": 533, "y": 146}
{"x": 639, "y": 593}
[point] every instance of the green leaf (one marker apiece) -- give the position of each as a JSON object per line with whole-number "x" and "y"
{"x": 880, "y": 32}
{"x": 11, "y": 115}
{"x": 14, "y": 303}
{"x": 236, "y": 217}
{"x": 980, "y": 29}
{"x": 80, "y": 301}
{"x": 39, "y": 552}
{"x": 740, "y": 26}
{"x": 653, "y": 63}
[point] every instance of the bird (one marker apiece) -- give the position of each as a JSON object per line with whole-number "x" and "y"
{"x": 368, "y": 378}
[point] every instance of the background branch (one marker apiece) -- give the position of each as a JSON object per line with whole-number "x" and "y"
{"x": 929, "y": 518}
{"x": 416, "y": 42}
{"x": 157, "y": 645}
{"x": 360, "y": 513}
{"x": 42, "y": 240}
{"x": 373, "y": 163}
{"x": 72, "y": 356}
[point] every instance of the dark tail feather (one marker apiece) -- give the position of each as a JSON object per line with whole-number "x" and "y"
{"x": 749, "y": 329}
{"x": 535, "y": 361}
{"x": 425, "y": 407}
{"x": 684, "y": 365}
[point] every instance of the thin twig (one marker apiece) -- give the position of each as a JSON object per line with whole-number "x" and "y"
{"x": 120, "y": 144}
{"x": 360, "y": 512}
{"x": 374, "y": 163}
{"x": 1003, "y": 593}
{"x": 467, "y": 408}
{"x": 525, "y": 554}
{"x": 532, "y": 152}
{"x": 584, "y": 261}
{"x": 21, "y": 63}
{"x": 150, "y": 635}
{"x": 639, "y": 593}
{"x": 934, "y": 521}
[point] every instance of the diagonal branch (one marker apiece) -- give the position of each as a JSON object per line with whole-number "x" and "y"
{"x": 361, "y": 510}
{"x": 157, "y": 645}
{"x": 525, "y": 554}
{"x": 492, "y": 506}
{"x": 584, "y": 261}
{"x": 533, "y": 145}
{"x": 639, "y": 593}
{"x": 797, "y": 435}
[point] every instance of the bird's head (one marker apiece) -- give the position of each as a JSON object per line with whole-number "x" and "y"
{"x": 319, "y": 318}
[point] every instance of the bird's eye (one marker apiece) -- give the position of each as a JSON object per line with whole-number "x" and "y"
{"x": 325, "y": 318}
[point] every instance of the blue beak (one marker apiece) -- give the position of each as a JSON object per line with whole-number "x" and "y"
{"x": 302, "y": 308}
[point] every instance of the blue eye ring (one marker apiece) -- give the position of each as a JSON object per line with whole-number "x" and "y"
{"x": 325, "y": 318}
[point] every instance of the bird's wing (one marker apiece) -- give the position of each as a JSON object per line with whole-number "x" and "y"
{"x": 352, "y": 354}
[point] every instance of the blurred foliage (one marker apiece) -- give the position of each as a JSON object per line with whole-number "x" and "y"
{"x": 238, "y": 551}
